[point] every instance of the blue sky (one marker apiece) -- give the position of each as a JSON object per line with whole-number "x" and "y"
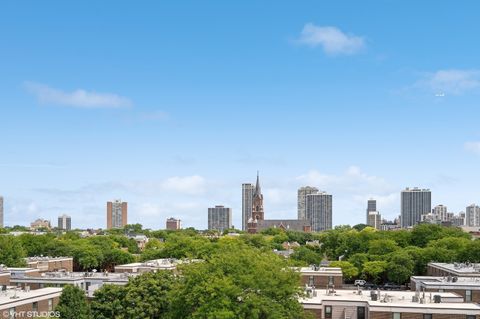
{"x": 171, "y": 106}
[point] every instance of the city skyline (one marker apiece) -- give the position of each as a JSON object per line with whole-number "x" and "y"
{"x": 106, "y": 101}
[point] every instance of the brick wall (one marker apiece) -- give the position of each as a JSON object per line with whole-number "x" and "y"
{"x": 321, "y": 281}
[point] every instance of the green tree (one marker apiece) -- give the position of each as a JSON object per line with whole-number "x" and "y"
{"x": 306, "y": 255}
{"x": 109, "y": 302}
{"x": 400, "y": 267}
{"x": 374, "y": 270}
{"x": 11, "y": 252}
{"x": 382, "y": 247}
{"x": 73, "y": 304}
{"x": 348, "y": 269}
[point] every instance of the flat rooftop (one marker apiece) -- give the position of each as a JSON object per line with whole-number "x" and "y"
{"x": 61, "y": 276}
{"x": 462, "y": 269}
{"x": 12, "y": 296}
{"x": 46, "y": 258}
{"x": 443, "y": 282}
{"x": 332, "y": 271}
{"x": 393, "y": 299}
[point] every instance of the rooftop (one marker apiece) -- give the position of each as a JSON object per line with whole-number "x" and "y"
{"x": 321, "y": 270}
{"x": 46, "y": 258}
{"x": 74, "y": 276}
{"x": 442, "y": 282}
{"x": 392, "y": 299}
{"x": 12, "y": 295}
{"x": 462, "y": 269}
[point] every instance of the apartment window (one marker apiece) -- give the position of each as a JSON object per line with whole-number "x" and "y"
{"x": 397, "y": 315}
{"x": 311, "y": 281}
{"x": 470, "y": 317}
{"x": 427, "y": 316}
{"x": 50, "y": 304}
{"x": 328, "y": 312}
{"x": 11, "y": 313}
{"x": 360, "y": 312}
{"x": 35, "y": 307}
{"x": 330, "y": 280}
{"x": 468, "y": 296}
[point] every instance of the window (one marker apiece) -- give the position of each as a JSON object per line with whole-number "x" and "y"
{"x": 330, "y": 280}
{"x": 397, "y": 315}
{"x": 328, "y": 312}
{"x": 471, "y": 317}
{"x": 360, "y": 312}
{"x": 311, "y": 281}
{"x": 35, "y": 307}
{"x": 50, "y": 304}
{"x": 441, "y": 290}
{"x": 427, "y": 316}
{"x": 11, "y": 313}
{"x": 468, "y": 296}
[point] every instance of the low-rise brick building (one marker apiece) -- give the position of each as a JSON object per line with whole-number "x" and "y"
{"x": 48, "y": 264}
{"x": 16, "y": 303}
{"x": 467, "y": 287}
{"x": 321, "y": 277}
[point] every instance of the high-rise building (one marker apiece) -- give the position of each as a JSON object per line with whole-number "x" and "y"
{"x": 415, "y": 202}
{"x": 374, "y": 220}
{"x": 64, "y": 222}
{"x": 302, "y": 200}
{"x": 116, "y": 214}
{"x": 219, "y": 218}
{"x": 247, "y": 203}
{"x": 173, "y": 224}
{"x": 472, "y": 216}
{"x": 371, "y": 207}
{"x": 440, "y": 213}
{"x": 319, "y": 211}
{"x": 1, "y": 212}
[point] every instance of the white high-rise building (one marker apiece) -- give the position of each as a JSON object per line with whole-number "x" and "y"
{"x": 219, "y": 218}
{"x": 247, "y": 203}
{"x": 319, "y": 211}
{"x": 472, "y": 216}
{"x": 1, "y": 212}
{"x": 440, "y": 213}
{"x": 415, "y": 202}
{"x": 65, "y": 222}
{"x": 302, "y": 200}
{"x": 374, "y": 220}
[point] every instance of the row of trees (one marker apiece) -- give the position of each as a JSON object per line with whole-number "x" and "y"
{"x": 234, "y": 281}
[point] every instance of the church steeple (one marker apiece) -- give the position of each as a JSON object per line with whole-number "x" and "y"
{"x": 258, "y": 190}
{"x": 257, "y": 201}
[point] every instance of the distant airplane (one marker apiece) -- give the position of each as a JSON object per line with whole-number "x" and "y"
{"x": 440, "y": 94}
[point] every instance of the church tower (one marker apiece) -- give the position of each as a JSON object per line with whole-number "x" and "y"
{"x": 257, "y": 202}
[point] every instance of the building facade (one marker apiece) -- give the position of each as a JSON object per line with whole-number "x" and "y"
{"x": 472, "y": 216}
{"x": 219, "y": 218}
{"x": 247, "y": 203}
{"x": 440, "y": 213}
{"x": 415, "y": 202}
{"x": 302, "y": 200}
{"x": 173, "y": 224}
{"x": 65, "y": 222}
{"x": 371, "y": 207}
{"x": 374, "y": 220}
{"x": 117, "y": 212}
{"x": 40, "y": 223}
{"x": 319, "y": 211}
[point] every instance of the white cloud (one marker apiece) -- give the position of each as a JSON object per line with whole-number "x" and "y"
{"x": 191, "y": 185}
{"x": 331, "y": 39}
{"x": 452, "y": 81}
{"x": 78, "y": 98}
{"x": 473, "y": 147}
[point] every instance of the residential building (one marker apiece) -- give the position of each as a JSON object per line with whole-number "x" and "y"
{"x": 117, "y": 212}
{"x": 371, "y": 207}
{"x": 414, "y": 203}
{"x": 247, "y": 203}
{"x": 440, "y": 213}
{"x": 40, "y": 223}
{"x": 49, "y": 264}
{"x": 459, "y": 219}
{"x": 219, "y": 218}
{"x": 18, "y": 303}
{"x": 357, "y": 304}
{"x": 472, "y": 216}
{"x": 173, "y": 224}
{"x": 302, "y": 200}
{"x": 374, "y": 220}
{"x": 153, "y": 265}
{"x": 321, "y": 277}
{"x": 319, "y": 211}
{"x": 453, "y": 269}
{"x": 65, "y": 222}
{"x": 467, "y": 287}
{"x": 1, "y": 212}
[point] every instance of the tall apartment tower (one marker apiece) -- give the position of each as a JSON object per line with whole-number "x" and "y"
{"x": 440, "y": 213}
{"x": 65, "y": 222}
{"x": 414, "y": 203}
{"x": 173, "y": 223}
{"x": 374, "y": 220}
{"x": 371, "y": 207}
{"x": 472, "y": 216}
{"x": 1, "y": 212}
{"x": 302, "y": 200}
{"x": 219, "y": 218}
{"x": 116, "y": 214}
{"x": 319, "y": 211}
{"x": 247, "y": 203}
